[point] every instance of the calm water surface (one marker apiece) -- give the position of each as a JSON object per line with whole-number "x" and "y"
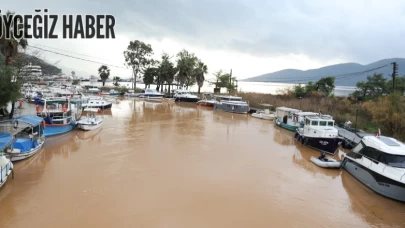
{"x": 175, "y": 165}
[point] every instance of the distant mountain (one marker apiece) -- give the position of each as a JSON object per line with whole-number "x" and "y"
{"x": 338, "y": 70}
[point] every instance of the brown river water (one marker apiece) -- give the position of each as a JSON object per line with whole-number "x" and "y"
{"x": 176, "y": 165}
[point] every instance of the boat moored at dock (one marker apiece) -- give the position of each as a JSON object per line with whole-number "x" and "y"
{"x": 285, "y": 118}
{"x": 6, "y": 167}
{"x": 318, "y": 132}
{"x": 208, "y": 100}
{"x": 91, "y": 121}
{"x": 231, "y": 104}
{"x": 379, "y": 163}
{"x": 265, "y": 113}
{"x": 185, "y": 96}
{"x": 60, "y": 116}
{"x": 28, "y": 134}
{"x": 151, "y": 94}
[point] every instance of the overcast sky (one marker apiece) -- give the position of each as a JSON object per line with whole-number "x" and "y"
{"x": 252, "y": 37}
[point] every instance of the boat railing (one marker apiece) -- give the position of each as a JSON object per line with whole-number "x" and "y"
{"x": 376, "y": 162}
{"x": 5, "y": 168}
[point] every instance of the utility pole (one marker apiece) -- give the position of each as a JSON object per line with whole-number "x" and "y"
{"x": 230, "y": 82}
{"x": 394, "y": 74}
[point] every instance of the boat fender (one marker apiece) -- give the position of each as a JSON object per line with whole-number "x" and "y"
{"x": 306, "y": 141}
{"x": 302, "y": 140}
{"x": 43, "y": 124}
{"x": 15, "y": 124}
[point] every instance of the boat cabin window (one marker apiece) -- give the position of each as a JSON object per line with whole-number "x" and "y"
{"x": 379, "y": 156}
{"x": 330, "y": 123}
{"x": 314, "y": 123}
{"x": 307, "y": 122}
{"x": 322, "y": 123}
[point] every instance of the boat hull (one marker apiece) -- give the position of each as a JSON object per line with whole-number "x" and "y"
{"x": 285, "y": 126}
{"x": 328, "y": 145}
{"x": 205, "y": 103}
{"x": 98, "y": 106}
{"x": 24, "y": 155}
{"x": 263, "y": 116}
{"x": 375, "y": 181}
{"x": 52, "y": 130}
{"x": 5, "y": 173}
{"x": 331, "y": 163}
{"x": 234, "y": 108}
{"x": 89, "y": 127}
{"x": 187, "y": 99}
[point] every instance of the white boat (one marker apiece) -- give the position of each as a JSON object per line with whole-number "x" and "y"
{"x": 329, "y": 163}
{"x": 28, "y": 134}
{"x": 151, "y": 94}
{"x": 90, "y": 122}
{"x": 265, "y": 114}
{"x": 6, "y": 167}
{"x": 185, "y": 96}
{"x": 379, "y": 163}
{"x": 318, "y": 132}
{"x": 96, "y": 102}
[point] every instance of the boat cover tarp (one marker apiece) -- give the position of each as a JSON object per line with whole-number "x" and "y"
{"x": 23, "y": 144}
{"x": 5, "y": 140}
{"x": 33, "y": 120}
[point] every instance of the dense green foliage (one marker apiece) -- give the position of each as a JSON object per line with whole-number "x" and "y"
{"x": 323, "y": 87}
{"x": 138, "y": 56}
{"x": 377, "y": 86}
{"x": 104, "y": 73}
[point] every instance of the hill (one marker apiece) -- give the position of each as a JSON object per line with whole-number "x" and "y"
{"x": 47, "y": 68}
{"x": 338, "y": 70}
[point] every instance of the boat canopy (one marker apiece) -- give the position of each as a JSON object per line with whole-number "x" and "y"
{"x": 33, "y": 120}
{"x": 5, "y": 140}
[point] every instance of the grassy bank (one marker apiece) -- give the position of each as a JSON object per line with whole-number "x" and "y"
{"x": 385, "y": 113}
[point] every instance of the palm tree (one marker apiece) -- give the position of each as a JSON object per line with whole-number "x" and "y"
{"x": 116, "y": 79}
{"x": 199, "y": 74}
{"x": 104, "y": 73}
{"x": 9, "y": 48}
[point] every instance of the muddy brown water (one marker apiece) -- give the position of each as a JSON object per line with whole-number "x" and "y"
{"x": 175, "y": 165}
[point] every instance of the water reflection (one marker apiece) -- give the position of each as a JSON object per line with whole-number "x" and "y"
{"x": 376, "y": 210}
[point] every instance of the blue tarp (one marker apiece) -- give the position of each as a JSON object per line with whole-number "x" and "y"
{"x": 5, "y": 140}
{"x": 33, "y": 120}
{"x": 23, "y": 144}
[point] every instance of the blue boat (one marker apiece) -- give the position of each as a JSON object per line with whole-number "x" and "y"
{"x": 6, "y": 167}
{"x": 28, "y": 134}
{"x": 60, "y": 116}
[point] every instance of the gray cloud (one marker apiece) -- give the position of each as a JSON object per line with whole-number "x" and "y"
{"x": 360, "y": 31}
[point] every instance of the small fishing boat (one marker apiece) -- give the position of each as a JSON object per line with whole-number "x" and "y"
{"x": 28, "y": 134}
{"x": 151, "y": 94}
{"x": 231, "y": 104}
{"x": 91, "y": 122}
{"x": 60, "y": 116}
{"x": 208, "y": 100}
{"x": 285, "y": 118}
{"x": 265, "y": 114}
{"x": 6, "y": 167}
{"x": 318, "y": 132}
{"x": 326, "y": 163}
{"x": 185, "y": 96}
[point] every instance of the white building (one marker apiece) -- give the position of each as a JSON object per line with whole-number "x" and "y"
{"x": 31, "y": 70}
